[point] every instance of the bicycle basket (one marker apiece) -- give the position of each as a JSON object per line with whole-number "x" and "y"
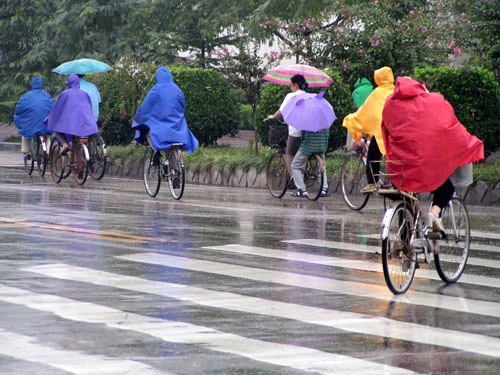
{"x": 278, "y": 135}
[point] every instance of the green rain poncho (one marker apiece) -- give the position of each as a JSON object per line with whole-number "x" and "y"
{"x": 362, "y": 88}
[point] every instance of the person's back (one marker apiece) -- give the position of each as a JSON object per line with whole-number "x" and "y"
{"x": 160, "y": 118}
{"x": 93, "y": 92}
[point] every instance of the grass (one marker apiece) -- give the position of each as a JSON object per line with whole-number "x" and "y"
{"x": 14, "y": 139}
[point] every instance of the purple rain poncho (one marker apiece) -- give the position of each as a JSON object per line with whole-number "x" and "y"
{"x": 162, "y": 113}
{"x": 72, "y": 114}
{"x": 32, "y": 109}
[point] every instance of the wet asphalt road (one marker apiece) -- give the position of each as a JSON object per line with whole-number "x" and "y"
{"x": 105, "y": 280}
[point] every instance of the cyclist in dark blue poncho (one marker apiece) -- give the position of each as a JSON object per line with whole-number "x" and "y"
{"x": 160, "y": 119}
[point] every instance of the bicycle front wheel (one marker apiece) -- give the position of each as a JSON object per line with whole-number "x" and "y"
{"x": 151, "y": 172}
{"x": 353, "y": 179}
{"x": 57, "y": 164}
{"x": 452, "y": 253}
{"x": 97, "y": 162}
{"x": 276, "y": 174}
{"x": 398, "y": 260}
{"x": 176, "y": 175}
{"x": 313, "y": 179}
{"x": 79, "y": 163}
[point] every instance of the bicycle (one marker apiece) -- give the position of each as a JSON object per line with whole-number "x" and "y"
{"x": 98, "y": 156}
{"x": 77, "y": 161}
{"x": 168, "y": 164}
{"x": 353, "y": 178}
{"x": 277, "y": 174}
{"x": 406, "y": 239}
{"x": 37, "y": 154}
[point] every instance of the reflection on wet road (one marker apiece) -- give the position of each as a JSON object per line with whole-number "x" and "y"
{"x": 103, "y": 280}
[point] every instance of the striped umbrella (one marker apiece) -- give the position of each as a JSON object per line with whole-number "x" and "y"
{"x": 282, "y": 74}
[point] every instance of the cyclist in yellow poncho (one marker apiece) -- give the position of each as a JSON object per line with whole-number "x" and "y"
{"x": 368, "y": 120}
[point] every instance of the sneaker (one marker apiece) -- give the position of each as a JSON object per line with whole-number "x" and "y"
{"x": 65, "y": 150}
{"x": 300, "y": 194}
{"x": 434, "y": 222}
{"x": 27, "y": 156}
{"x": 324, "y": 193}
{"x": 370, "y": 188}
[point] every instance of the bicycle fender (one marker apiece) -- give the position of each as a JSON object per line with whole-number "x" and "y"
{"x": 386, "y": 222}
{"x": 86, "y": 152}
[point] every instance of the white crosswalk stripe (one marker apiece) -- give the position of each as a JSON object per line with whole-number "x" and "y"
{"x": 26, "y": 348}
{"x": 361, "y": 264}
{"x": 301, "y": 358}
{"x": 351, "y": 322}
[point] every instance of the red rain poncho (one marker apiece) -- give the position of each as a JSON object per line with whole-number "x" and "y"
{"x": 421, "y": 128}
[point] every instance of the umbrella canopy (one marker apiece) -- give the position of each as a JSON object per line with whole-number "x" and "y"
{"x": 82, "y": 66}
{"x": 282, "y": 74}
{"x": 309, "y": 112}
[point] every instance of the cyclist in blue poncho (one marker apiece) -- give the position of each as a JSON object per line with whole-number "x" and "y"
{"x": 160, "y": 119}
{"x": 31, "y": 110}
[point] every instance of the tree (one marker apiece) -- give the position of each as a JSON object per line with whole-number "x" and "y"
{"x": 245, "y": 69}
{"x": 480, "y": 23}
{"x": 20, "y": 22}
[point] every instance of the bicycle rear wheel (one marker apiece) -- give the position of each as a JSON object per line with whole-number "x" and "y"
{"x": 40, "y": 156}
{"x": 176, "y": 175}
{"x": 398, "y": 261}
{"x": 97, "y": 162}
{"x": 353, "y": 179}
{"x": 276, "y": 174}
{"x": 313, "y": 179}
{"x": 151, "y": 172}
{"x": 56, "y": 162}
{"x": 453, "y": 252}
{"x": 79, "y": 165}
{"x": 29, "y": 161}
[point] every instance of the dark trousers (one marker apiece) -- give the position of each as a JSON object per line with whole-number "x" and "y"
{"x": 375, "y": 155}
{"x": 443, "y": 194}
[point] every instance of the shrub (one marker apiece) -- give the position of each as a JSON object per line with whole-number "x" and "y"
{"x": 7, "y": 110}
{"x": 337, "y": 94}
{"x": 120, "y": 91}
{"x": 474, "y": 94}
{"x": 245, "y": 119}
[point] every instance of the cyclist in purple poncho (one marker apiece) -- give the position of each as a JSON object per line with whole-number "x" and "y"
{"x": 160, "y": 119}
{"x": 72, "y": 114}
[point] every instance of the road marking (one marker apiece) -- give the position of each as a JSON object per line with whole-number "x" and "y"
{"x": 473, "y": 244}
{"x": 28, "y": 349}
{"x": 291, "y": 356}
{"x": 351, "y": 322}
{"x": 361, "y": 265}
{"x": 76, "y": 231}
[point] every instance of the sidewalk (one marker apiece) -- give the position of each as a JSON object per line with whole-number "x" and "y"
{"x": 11, "y": 159}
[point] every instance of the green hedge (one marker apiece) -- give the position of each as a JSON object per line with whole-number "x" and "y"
{"x": 338, "y": 94}
{"x": 474, "y": 94}
{"x": 211, "y": 108}
{"x": 7, "y": 110}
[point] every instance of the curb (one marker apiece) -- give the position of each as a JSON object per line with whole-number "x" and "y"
{"x": 478, "y": 193}
{"x": 7, "y": 146}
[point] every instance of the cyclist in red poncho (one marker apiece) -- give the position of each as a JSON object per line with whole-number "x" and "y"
{"x": 421, "y": 128}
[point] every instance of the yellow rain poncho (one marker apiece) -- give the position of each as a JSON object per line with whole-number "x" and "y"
{"x": 368, "y": 118}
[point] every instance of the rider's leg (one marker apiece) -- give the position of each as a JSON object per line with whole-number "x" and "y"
{"x": 325, "y": 179}
{"x": 374, "y": 154}
{"x": 25, "y": 145}
{"x": 61, "y": 137}
{"x": 441, "y": 197}
{"x": 299, "y": 164}
{"x": 292, "y": 146}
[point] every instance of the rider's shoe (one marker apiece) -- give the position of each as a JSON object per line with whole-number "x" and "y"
{"x": 324, "y": 193}
{"x": 433, "y": 221}
{"x": 65, "y": 150}
{"x": 370, "y": 188}
{"x": 300, "y": 194}
{"x": 27, "y": 156}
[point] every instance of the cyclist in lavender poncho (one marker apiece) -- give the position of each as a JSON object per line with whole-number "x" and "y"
{"x": 72, "y": 114}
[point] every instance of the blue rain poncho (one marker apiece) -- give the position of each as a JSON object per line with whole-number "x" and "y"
{"x": 162, "y": 113}
{"x": 32, "y": 109}
{"x": 72, "y": 113}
